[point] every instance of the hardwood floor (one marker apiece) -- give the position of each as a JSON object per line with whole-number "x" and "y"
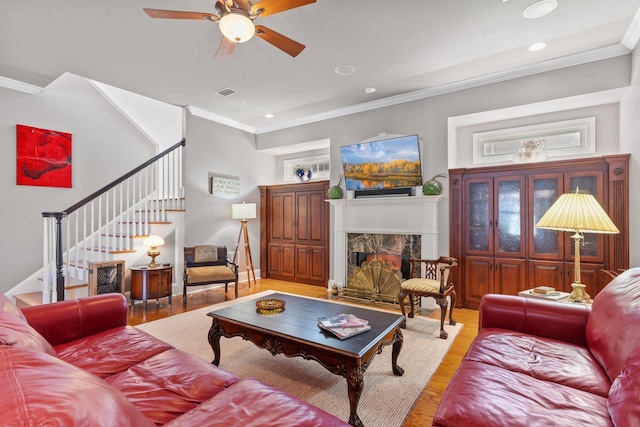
{"x": 424, "y": 410}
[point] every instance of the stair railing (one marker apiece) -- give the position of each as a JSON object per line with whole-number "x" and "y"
{"x": 106, "y": 221}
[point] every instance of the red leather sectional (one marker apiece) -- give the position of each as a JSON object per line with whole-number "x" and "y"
{"x": 77, "y": 363}
{"x": 542, "y": 363}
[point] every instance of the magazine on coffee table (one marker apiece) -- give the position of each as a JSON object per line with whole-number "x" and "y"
{"x": 343, "y": 325}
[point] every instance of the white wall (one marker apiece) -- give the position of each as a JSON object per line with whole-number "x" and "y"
{"x": 100, "y": 136}
{"x": 159, "y": 121}
{"x": 630, "y": 143}
{"x": 212, "y": 147}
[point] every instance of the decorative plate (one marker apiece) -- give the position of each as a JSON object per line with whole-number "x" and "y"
{"x": 270, "y": 305}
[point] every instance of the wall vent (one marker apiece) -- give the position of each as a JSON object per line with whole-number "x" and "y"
{"x": 227, "y": 92}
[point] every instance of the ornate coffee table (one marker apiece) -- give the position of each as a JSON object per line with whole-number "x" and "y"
{"x": 295, "y": 332}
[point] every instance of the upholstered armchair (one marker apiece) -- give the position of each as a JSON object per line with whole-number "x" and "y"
{"x": 431, "y": 278}
{"x": 208, "y": 264}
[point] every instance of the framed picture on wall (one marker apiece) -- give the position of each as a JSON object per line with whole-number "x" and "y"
{"x": 43, "y": 157}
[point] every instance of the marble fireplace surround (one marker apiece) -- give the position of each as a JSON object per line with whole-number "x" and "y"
{"x": 412, "y": 215}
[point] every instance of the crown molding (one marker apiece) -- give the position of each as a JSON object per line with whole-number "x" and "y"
{"x": 631, "y": 36}
{"x": 200, "y": 112}
{"x": 19, "y": 86}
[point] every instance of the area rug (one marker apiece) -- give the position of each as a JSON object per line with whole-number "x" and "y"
{"x": 386, "y": 400}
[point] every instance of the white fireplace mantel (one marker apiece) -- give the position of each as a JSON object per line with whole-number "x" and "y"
{"x": 383, "y": 215}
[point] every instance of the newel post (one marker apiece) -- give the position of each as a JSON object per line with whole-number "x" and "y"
{"x": 58, "y": 252}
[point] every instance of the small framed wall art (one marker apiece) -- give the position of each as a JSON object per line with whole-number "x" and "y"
{"x": 43, "y": 157}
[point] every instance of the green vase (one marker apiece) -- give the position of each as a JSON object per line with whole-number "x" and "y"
{"x": 335, "y": 192}
{"x": 432, "y": 187}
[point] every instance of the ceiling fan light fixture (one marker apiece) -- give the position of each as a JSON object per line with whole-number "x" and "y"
{"x": 237, "y": 27}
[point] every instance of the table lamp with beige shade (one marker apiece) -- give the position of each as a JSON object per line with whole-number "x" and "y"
{"x": 578, "y": 213}
{"x": 153, "y": 241}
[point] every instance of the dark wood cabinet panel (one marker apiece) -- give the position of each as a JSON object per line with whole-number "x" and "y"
{"x": 560, "y": 275}
{"x": 547, "y": 273}
{"x": 493, "y": 214}
{"x": 479, "y": 279}
{"x": 318, "y": 261}
{"x": 294, "y": 231}
{"x": 318, "y": 224}
{"x": 510, "y": 275}
{"x": 275, "y": 259}
{"x": 302, "y": 220}
{"x": 302, "y": 262}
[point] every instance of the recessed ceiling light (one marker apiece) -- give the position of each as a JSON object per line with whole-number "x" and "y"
{"x": 537, "y": 46}
{"x": 370, "y": 89}
{"x": 345, "y": 70}
{"x": 238, "y": 103}
{"x": 540, "y": 9}
{"x": 269, "y": 116}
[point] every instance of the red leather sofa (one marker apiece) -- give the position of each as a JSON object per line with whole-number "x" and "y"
{"x": 77, "y": 363}
{"x": 542, "y": 363}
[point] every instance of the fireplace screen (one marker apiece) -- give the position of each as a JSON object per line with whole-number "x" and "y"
{"x": 106, "y": 277}
{"x": 378, "y": 263}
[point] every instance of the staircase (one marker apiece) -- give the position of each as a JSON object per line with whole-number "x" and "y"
{"x": 110, "y": 225}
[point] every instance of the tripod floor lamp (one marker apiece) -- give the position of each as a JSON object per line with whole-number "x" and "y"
{"x": 243, "y": 212}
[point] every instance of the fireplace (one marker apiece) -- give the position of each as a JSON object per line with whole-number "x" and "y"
{"x": 386, "y": 229}
{"x": 378, "y": 263}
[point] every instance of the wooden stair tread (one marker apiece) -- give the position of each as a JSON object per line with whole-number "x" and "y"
{"x": 142, "y": 222}
{"x": 112, "y": 251}
{"x": 29, "y": 299}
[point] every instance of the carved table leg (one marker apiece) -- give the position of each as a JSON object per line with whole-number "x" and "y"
{"x": 355, "y": 384}
{"x": 397, "y": 346}
{"x": 214, "y": 341}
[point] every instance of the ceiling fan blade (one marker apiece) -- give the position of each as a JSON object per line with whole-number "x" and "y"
{"x": 271, "y": 7}
{"x": 283, "y": 43}
{"x": 226, "y": 48}
{"x": 179, "y": 14}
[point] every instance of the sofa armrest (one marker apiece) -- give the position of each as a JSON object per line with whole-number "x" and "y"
{"x": 65, "y": 321}
{"x": 549, "y": 319}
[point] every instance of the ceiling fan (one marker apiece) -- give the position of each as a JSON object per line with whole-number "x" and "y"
{"x": 236, "y": 17}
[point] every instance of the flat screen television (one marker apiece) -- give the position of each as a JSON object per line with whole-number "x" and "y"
{"x": 384, "y": 163}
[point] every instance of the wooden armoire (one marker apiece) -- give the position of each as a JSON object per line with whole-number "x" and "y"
{"x": 493, "y": 213}
{"x": 294, "y": 232}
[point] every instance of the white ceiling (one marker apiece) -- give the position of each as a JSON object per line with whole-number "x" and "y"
{"x": 406, "y": 49}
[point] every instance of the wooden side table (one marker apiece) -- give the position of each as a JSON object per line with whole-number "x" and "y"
{"x": 151, "y": 282}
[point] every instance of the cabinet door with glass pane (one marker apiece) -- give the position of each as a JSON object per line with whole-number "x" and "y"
{"x": 479, "y": 216}
{"x": 544, "y": 190}
{"x": 592, "y": 246}
{"x": 509, "y": 224}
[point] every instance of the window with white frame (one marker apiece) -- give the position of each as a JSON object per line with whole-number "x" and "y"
{"x": 564, "y": 138}
{"x": 319, "y": 165}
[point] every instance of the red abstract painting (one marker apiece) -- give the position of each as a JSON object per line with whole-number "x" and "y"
{"x": 43, "y": 157}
